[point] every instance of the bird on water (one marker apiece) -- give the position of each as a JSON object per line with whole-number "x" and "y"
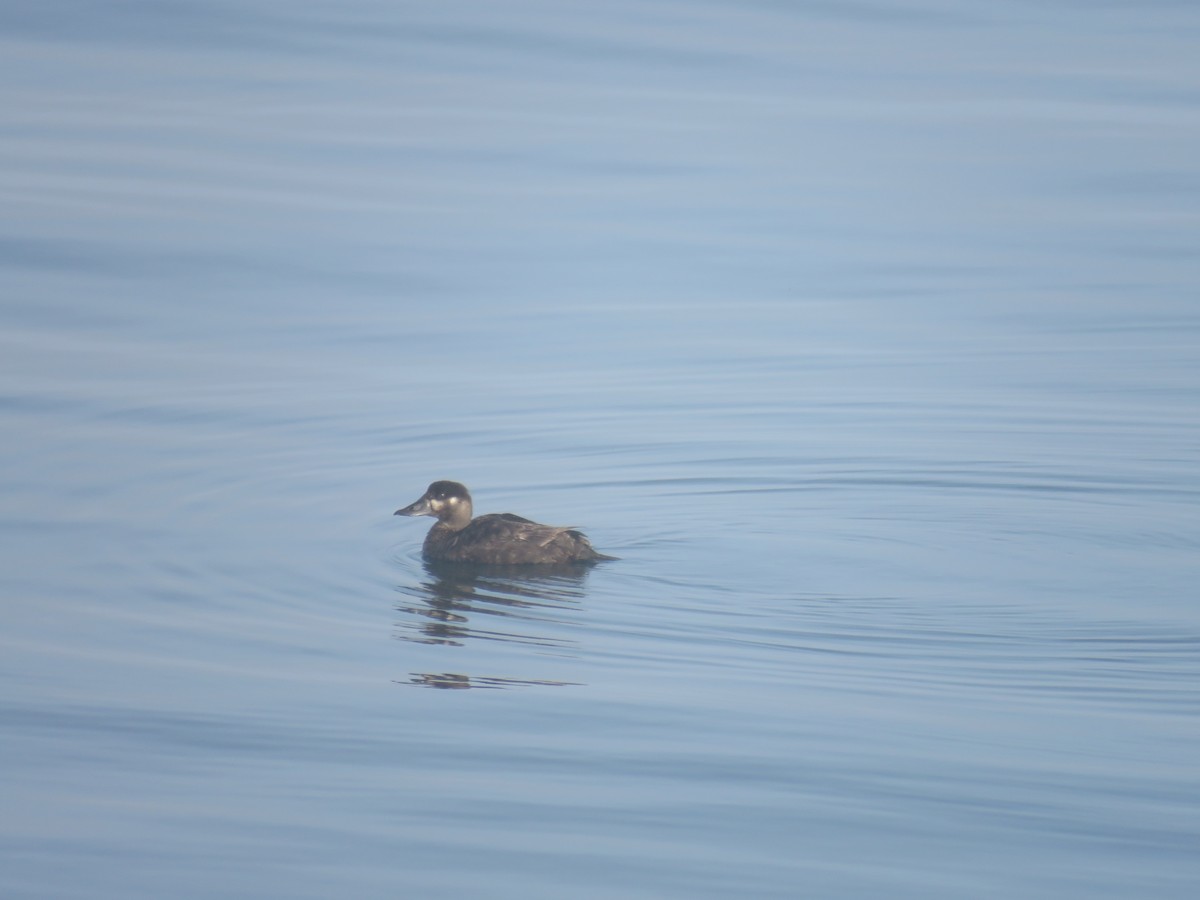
{"x": 493, "y": 539}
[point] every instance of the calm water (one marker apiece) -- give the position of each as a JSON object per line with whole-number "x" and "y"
{"x": 867, "y": 335}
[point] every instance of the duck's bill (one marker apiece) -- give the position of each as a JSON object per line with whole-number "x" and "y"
{"x": 417, "y": 508}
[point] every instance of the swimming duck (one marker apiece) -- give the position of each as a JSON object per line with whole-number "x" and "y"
{"x": 494, "y": 539}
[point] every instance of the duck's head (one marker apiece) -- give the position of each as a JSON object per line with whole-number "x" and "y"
{"x": 448, "y": 501}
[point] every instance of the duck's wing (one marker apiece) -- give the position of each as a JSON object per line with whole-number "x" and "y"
{"x": 554, "y": 543}
{"x": 519, "y": 528}
{"x": 509, "y": 517}
{"x": 565, "y": 541}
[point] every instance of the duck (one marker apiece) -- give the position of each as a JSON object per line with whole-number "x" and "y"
{"x": 496, "y": 538}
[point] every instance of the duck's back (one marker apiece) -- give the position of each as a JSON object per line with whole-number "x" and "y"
{"x": 506, "y": 539}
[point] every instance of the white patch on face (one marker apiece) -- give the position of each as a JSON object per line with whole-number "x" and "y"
{"x": 436, "y": 505}
{"x": 452, "y": 500}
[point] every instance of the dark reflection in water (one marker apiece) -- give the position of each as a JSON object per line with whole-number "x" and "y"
{"x": 457, "y": 682}
{"x": 514, "y": 604}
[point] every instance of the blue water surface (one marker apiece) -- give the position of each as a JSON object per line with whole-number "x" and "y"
{"x": 866, "y": 335}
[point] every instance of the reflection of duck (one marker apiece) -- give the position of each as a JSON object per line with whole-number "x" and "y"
{"x": 497, "y": 603}
{"x": 494, "y": 539}
{"x": 455, "y": 681}
{"x": 531, "y": 605}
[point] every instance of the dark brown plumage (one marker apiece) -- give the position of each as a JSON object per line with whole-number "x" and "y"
{"x": 494, "y": 539}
